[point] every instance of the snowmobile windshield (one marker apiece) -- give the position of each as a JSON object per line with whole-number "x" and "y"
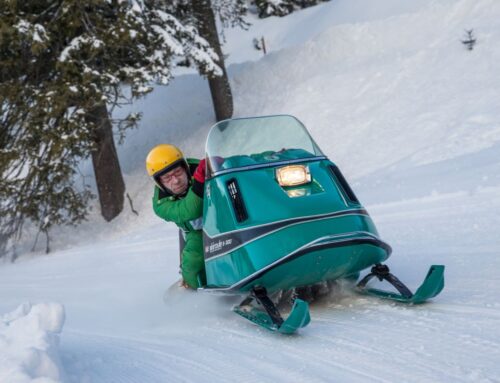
{"x": 257, "y": 142}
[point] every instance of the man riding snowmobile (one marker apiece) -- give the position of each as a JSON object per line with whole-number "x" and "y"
{"x": 178, "y": 198}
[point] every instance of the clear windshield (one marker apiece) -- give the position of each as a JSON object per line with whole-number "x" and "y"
{"x": 258, "y": 140}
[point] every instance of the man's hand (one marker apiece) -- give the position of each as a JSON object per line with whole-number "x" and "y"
{"x": 199, "y": 173}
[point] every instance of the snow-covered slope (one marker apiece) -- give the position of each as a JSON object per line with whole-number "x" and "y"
{"x": 411, "y": 117}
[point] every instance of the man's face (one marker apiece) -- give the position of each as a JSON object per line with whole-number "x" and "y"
{"x": 176, "y": 180}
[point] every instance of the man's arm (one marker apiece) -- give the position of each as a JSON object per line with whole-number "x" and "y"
{"x": 181, "y": 210}
{"x": 187, "y": 208}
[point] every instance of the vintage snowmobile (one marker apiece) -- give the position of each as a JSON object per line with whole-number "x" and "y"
{"x": 279, "y": 215}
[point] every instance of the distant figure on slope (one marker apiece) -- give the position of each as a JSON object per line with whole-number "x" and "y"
{"x": 178, "y": 198}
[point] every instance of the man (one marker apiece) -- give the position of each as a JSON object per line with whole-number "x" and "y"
{"x": 178, "y": 198}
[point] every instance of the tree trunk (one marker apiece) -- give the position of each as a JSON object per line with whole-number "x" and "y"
{"x": 108, "y": 175}
{"x": 220, "y": 89}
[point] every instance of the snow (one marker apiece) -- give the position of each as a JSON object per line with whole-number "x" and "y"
{"x": 23, "y": 26}
{"x": 170, "y": 42}
{"x": 76, "y": 44}
{"x": 39, "y": 34}
{"x": 391, "y": 95}
{"x": 29, "y": 340}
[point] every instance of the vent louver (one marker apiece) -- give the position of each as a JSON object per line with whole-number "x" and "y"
{"x": 343, "y": 184}
{"x": 236, "y": 200}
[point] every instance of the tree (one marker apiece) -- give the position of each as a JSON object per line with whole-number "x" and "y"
{"x": 220, "y": 89}
{"x": 202, "y": 14}
{"x": 63, "y": 67}
{"x": 281, "y": 8}
{"x": 109, "y": 180}
{"x": 470, "y": 40}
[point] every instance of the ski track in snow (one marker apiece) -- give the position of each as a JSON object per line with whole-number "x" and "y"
{"x": 351, "y": 338}
{"x": 353, "y": 328}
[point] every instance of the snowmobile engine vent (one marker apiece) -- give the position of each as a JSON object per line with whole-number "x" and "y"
{"x": 238, "y": 205}
{"x": 343, "y": 184}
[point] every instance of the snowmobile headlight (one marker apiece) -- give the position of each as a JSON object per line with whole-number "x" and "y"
{"x": 293, "y": 175}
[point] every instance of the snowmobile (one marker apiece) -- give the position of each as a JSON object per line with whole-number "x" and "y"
{"x": 280, "y": 216}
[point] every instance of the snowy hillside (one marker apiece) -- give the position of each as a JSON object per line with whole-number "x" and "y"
{"x": 392, "y": 96}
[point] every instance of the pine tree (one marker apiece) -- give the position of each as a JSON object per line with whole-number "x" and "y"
{"x": 281, "y": 8}
{"x": 220, "y": 89}
{"x": 274, "y": 7}
{"x": 231, "y": 13}
{"x": 64, "y": 65}
{"x": 202, "y": 14}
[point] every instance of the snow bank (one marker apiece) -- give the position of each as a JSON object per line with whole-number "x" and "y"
{"x": 29, "y": 341}
{"x": 402, "y": 90}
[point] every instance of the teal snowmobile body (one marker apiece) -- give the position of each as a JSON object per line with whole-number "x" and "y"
{"x": 279, "y": 215}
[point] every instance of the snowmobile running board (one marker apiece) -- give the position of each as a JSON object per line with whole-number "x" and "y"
{"x": 432, "y": 285}
{"x": 271, "y": 318}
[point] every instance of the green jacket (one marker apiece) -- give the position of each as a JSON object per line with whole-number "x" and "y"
{"x": 186, "y": 213}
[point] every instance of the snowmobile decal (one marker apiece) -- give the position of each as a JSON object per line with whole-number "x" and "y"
{"x": 356, "y": 238}
{"x": 225, "y": 243}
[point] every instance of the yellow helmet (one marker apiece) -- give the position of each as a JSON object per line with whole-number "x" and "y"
{"x": 162, "y": 158}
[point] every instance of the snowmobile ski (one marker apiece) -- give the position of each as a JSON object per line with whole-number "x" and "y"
{"x": 432, "y": 285}
{"x": 271, "y": 318}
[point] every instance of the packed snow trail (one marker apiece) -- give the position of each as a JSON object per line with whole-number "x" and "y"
{"x": 119, "y": 330}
